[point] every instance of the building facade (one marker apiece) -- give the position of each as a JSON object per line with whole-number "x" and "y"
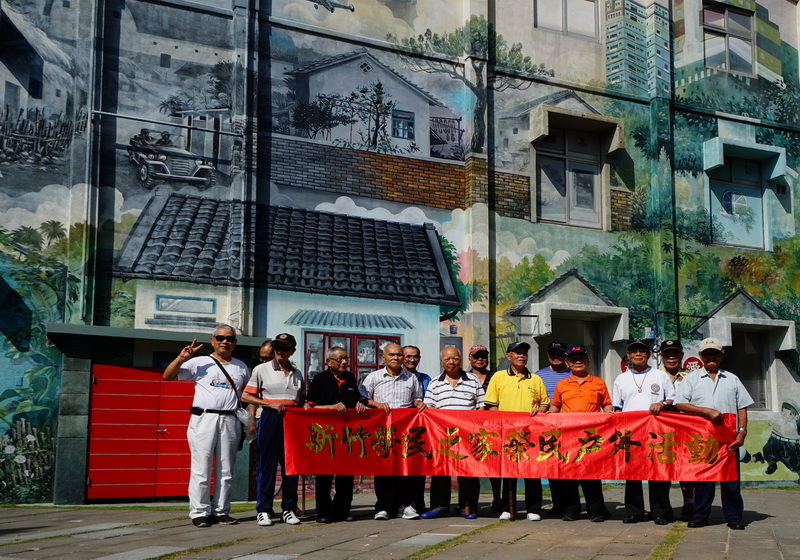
{"x": 427, "y": 172}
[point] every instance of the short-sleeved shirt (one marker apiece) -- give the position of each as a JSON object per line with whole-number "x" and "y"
{"x": 211, "y": 387}
{"x": 655, "y": 385}
{"x": 326, "y": 389}
{"x": 551, "y": 378}
{"x": 424, "y": 380}
{"x": 589, "y": 396}
{"x": 725, "y": 394}
{"x": 512, "y": 393}
{"x": 399, "y": 391}
{"x": 269, "y": 382}
{"x": 466, "y": 395}
{"x": 486, "y": 379}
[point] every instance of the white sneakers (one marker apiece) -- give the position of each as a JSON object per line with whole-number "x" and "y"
{"x": 263, "y": 519}
{"x": 290, "y": 518}
{"x": 381, "y": 516}
{"x": 506, "y": 516}
{"x": 408, "y": 513}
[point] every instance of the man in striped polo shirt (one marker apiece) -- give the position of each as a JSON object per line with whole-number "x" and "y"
{"x": 454, "y": 389}
{"x": 274, "y": 386}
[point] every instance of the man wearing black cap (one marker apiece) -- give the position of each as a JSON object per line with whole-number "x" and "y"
{"x": 518, "y": 390}
{"x": 671, "y": 361}
{"x": 274, "y": 386}
{"x": 642, "y": 387}
{"x": 551, "y": 375}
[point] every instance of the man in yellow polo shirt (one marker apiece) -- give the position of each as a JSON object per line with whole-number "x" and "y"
{"x": 518, "y": 390}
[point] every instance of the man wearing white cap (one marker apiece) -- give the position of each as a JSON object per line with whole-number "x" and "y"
{"x": 711, "y": 392}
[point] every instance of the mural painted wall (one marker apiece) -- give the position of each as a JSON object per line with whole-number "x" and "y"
{"x": 370, "y": 171}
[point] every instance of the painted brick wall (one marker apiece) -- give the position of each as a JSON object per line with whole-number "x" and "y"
{"x": 305, "y": 164}
{"x": 620, "y": 209}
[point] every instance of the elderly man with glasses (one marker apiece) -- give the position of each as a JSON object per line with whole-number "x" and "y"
{"x": 214, "y": 431}
{"x": 335, "y": 389}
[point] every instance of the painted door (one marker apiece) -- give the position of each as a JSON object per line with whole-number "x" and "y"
{"x": 137, "y": 434}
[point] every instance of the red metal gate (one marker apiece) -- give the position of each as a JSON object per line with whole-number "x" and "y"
{"x": 137, "y": 434}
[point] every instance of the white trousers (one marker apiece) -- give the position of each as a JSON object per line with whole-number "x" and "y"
{"x": 212, "y": 438}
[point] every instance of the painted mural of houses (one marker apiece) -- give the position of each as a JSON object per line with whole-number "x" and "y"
{"x": 330, "y": 279}
{"x": 415, "y": 123}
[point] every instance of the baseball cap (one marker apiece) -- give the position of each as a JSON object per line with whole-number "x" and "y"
{"x": 671, "y": 343}
{"x": 518, "y": 346}
{"x": 576, "y": 349}
{"x": 558, "y": 346}
{"x": 710, "y": 344}
{"x": 478, "y": 348}
{"x": 284, "y": 340}
{"x": 636, "y": 342}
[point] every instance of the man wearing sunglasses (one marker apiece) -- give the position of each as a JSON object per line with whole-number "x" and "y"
{"x": 274, "y": 386}
{"x": 214, "y": 431}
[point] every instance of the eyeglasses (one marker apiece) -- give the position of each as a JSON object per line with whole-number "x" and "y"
{"x": 339, "y": 360}
{"x": 263, "y": 359}
{"x": 220, "y": 338}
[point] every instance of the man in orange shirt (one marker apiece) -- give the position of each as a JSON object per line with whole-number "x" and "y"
{"x": 581, "y": 392}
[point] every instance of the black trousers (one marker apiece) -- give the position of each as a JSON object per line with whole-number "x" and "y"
{"x": 533, "y": 494}
{"x": 393, "y": 492}
{"x": 659, "y": 499}
{"x": 469, "y": 489}
{"x": 339, "y": 506}
{"x": 417, "y": 485}
{"x": 561, "y": 494}
{"x": 592, "y": 493}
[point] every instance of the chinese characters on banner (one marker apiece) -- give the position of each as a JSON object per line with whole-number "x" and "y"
{"x": 621, "y": 446}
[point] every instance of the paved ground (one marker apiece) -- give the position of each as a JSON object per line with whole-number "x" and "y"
{"x": 126, "y": 534}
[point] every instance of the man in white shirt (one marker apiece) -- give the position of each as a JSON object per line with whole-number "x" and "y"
{"x": 274, "y": 386}
{"x": 642, "y": 387}
{"x": 214, "y": 431}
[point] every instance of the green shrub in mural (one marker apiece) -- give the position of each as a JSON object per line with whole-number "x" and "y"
{"x": 37, "y": 289}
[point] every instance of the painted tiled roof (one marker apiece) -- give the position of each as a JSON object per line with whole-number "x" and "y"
{"x": 319, "y": 64}
{"x": 316, "y": 318}
{"x": 539, "y": 294}
{"x": 228, "y": 242}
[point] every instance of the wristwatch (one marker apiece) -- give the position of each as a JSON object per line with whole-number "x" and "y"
{"x": 742, "y": 430}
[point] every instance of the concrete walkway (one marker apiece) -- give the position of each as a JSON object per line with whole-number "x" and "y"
{"x": 126, "y": 534}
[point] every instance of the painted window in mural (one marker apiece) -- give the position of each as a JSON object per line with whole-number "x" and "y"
{"x": 728, "y": 39}
{"x": 578, "y": 17}
{"x": 568, "y": 178}
{"x": 403, "y": 124}
{"x": 365, "y": 351}
{"x": 736, "y": 203}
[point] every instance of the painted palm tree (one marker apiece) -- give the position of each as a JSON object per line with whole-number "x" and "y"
{"x": 52, "y": 230}
{"x": 28, "y": 237}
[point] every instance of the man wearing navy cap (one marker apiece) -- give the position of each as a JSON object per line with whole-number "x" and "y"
{"x": 518, "y": 390}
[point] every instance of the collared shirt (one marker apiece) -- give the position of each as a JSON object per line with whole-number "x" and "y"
{"x": 589, "y": 396}
{"x": 326, "y": 389}
{"x": 725, "y": 394}
{"x": 486, "y": 379}
{"x": 466, "y": 395}
{"x": 269, "y": 382}
{"x": 638, "y": 390}
{"x": 512, "y": 393}
{"x": 400, "y": 391}
{"x": 551, "y": 378}
{"x": 211, "y": 387}
{"x": 424, "y": 380}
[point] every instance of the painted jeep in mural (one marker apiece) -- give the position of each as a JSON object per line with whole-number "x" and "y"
{"x": 160, "y": 157}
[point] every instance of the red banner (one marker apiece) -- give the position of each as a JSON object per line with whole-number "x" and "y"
{"x": 621, "y": 446}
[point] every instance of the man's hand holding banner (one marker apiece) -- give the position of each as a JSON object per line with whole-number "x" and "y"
{"x": 620, "y": 446}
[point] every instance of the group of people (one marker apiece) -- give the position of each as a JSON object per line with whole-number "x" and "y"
{"x": 564, "y": 386}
